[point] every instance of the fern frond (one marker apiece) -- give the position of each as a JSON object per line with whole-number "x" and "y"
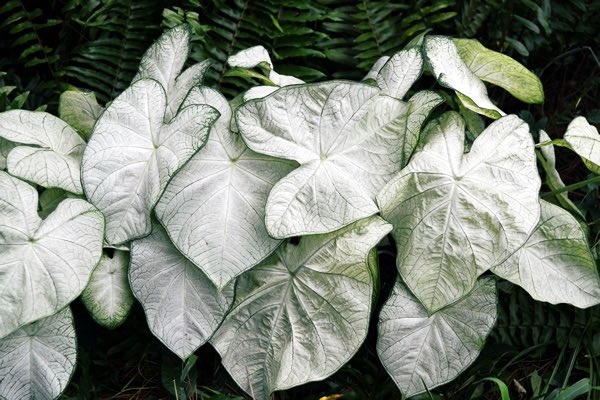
{"x": 118, "y": 33}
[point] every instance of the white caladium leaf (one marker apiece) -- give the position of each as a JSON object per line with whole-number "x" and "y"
{"x": 400, "y": 72}
{"x": 258, "y": 56}
{"x": 45, "y": 264}
{"x": 132, "y": 154}
{"x": 374, "y": 71}
{"x": 38, "y": 360}
{"x": 450, "y": 70}
{"x": 182, "y": 306}
{"x": 500, "y": 70}
{"x": 56, "y": 158}
{"x": 348, "y": 140}
{"x": 80, "y": 110}
{"x": 301, "y": 314}
{"x": 456, "y": 215}
{"x": 553, "y": 179}
{"x": 422, "y": 351}
{"x": 585, "y": 141}
{"x": 107, "y": 295}
{"x": 163, "y": 62}
{"x": 555, "y": 264}
{"x": 5, "y": 147}
{"x": 218, "y": 199}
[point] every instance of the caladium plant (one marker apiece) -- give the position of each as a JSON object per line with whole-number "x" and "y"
{"x": 253, "y": 223}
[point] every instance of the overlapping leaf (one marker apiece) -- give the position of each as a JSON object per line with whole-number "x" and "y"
{"x": 500, "y": 70}
{"x": 132, "y": 154}
{"x": 37, "y": 361}
{"x": 456, "y": 215}
{"x": 80, "y": 110}
{"x": 44, "y": 264}
{"x": 5, "y": 148}
{"x": 302, "y": 313}
{"x": 107, "y": 296}
{"x": 399, "y": 73}
{"x": 585, "y": 141}
{"x": 450, "y": 70}
{"x": 163, "y": 62}
{"x": 214, "y": 208}
{"x": 52, "y": 150}
{"x": 555, "y": 264}
{"x": 422, "y": 351}
{"x": 346, "y": 136}
{"x": 182, "y": 306}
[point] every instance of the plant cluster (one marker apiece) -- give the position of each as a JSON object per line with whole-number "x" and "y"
{"x": 253, "y": 223}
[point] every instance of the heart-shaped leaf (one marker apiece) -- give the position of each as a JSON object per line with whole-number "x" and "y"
{"x": 456, "y": 215}
{"x": 218, "y": 199}
{"x": 163, "y": 62}
{"x": 422, "y": 351}
{"x": 555, "y": 264}
{"x": 132, "y": 154}
{"x": 301, "y": 314}
{"x": 182, "y": 306}
{"x": 500, "y": 70}
{"x": 44, "y": 264}
{"x": 450, "y": 70}
{"x": 38, "y": 360}
{"x": 400, "y": 72}
{"x": 53, "y": 157}
{"x": 107, "y": 296}
{"x": 347, "y": 139}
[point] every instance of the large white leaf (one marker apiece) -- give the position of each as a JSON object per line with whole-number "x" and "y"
{"x": 422, "y": 351}
{"x": 132, "y": 154}
{"x": 163, "y": 62}
{"x": 399, "y": 73}
{"x": 218, "y": 199}
{"x": 585, "y": 141}
{"x": 450, "y": 70}
{"x": 456, "y": 215}
{"x": 348, "y": 140}
{"x": 555, "y": 264}
{"x": 37, "y": 361}
{"x": 182, "y": 306}
{"x": 53, "y": 157}
{"x": 44, "y": 264}
{"x": 301, "y": 314}
{"x": 500, "y": 70}
{"x": 107, "y": 296}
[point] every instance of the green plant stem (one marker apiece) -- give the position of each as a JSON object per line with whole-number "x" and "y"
{"x": 574, "y": 186}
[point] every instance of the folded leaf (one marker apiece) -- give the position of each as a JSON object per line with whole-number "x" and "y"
{"x": 500, "y": 70}
{"x": 54, "y": 158}
{"x": 585, "y": 141}
{"x": 303, "y": 313}
{"x": 107, "y": 296}
{"x": 132, "y": 154}
{"x": 218, "y": 198}
{"x": 348, "y": 140}
{"x": 456, "y": 215}
{"x": 400, "y": 72}
{"x": 38, "y": 360}
{"x": 555, "y": 264}
{"x": 422, "y": 351}
{"x": 450, "y": 70}
{"x": 182, "y": 306}
{"x": 44, "y": 264}
{"x": 163, "y": 62}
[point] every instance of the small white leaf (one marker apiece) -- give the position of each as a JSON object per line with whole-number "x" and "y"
{"x": 182, "y": 306}
{"x": 45, "y": 264}
{"x": 585, "y": 141}
{"x": 303, "y": 313}
{"x": 456, "y": 215}
{"x": 107, "y": 296}
{"x": 56, "y": 158}
{"x": 348, "y": 140}
{"x": 132, "y": 154}
{"x": 374, "y": 71}
{"x": 555, "y": 264}
{"x": 450, "y": 70}
{"x": 422, "y": 351}
{"x": 400, "y": 72}
{"x": 38, "y": 360}
{"x": 218, "y": 198}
